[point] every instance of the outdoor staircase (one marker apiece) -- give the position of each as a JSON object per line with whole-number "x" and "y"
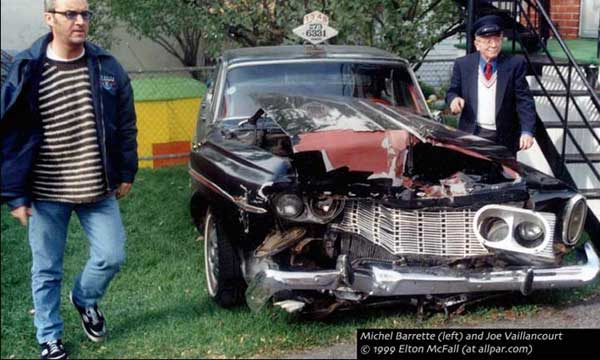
{"x": 579, "y": 161}
{"x": 567, "y": 101}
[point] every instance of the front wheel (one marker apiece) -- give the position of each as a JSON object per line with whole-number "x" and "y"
{"x": 224, "y": 279}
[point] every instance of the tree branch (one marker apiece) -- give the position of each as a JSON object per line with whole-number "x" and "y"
{"x": 412, "y": 11}
{"x": 162, "y": 41}
{"x": 430, "y": 8}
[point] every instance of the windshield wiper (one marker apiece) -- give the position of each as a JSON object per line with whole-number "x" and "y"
{"x": 252, "y": 120}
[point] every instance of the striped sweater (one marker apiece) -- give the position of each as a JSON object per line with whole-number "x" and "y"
{"x": 68, "y": 167}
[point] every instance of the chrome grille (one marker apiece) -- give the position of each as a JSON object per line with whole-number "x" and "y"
{"x": 441, "y": 233}
{"x": 548, "y": 251}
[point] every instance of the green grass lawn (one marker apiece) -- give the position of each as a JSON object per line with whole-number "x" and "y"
{"x": 157, "y": 306}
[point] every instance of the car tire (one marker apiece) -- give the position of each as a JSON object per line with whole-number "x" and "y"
{"x": 222, "y": 265}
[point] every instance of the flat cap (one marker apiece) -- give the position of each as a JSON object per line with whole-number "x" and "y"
{"x": 488, "y": 25}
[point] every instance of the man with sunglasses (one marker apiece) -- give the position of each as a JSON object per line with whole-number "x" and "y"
{"x": 491, "y": 91}
{"x": 68, "y": 145}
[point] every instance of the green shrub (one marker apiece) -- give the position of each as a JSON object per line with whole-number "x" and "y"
{"x": 427, "y": 89}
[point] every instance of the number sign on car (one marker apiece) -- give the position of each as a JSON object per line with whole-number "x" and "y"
{"x": 315, "y": 28}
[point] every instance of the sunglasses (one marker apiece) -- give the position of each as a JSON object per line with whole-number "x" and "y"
{"x": 72, "y": 15}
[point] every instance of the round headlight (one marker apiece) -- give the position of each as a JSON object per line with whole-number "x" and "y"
{"x": 326, "y": 208}
{"x": 574, "y": 220}
{"x": 530, "y": 234}
{"x": 289, "y": 206}
{"x": 494, "y": 229}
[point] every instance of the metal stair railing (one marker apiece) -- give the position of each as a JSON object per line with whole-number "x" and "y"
{"x": 542, "y": 16}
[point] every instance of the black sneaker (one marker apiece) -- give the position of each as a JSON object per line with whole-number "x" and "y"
{"x": 53, "y": 350}
{"x": 92, "y": 321}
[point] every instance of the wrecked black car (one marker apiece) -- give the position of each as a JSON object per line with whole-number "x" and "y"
{"x": 320, "y": 180}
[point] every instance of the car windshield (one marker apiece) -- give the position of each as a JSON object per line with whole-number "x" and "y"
{"x": 388, "y": 84}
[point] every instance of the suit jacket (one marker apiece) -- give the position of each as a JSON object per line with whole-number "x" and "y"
{"x": 515, "y": 108}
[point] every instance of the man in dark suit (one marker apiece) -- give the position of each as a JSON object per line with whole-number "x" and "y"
{"x": 491, "y": 91}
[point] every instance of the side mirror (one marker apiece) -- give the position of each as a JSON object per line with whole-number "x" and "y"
{"x": 209, "y": 83}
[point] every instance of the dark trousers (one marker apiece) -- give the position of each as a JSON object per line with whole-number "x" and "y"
{"x": 485, "y": 133}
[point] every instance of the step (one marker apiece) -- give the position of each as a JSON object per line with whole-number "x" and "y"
{"x": 552, "y": 81}
{"x": 590, "y": 194}
{"x": 546, "y": 111}
{"x": 578, "y": 93}
{"x": 584, "y": 176}
{"x": 543, "y": 59}
{"x": 572, "y": 124}
{"x": 549, "y": 74}
{"x": 584, "y": 139}
{"x": 578, "y": 158}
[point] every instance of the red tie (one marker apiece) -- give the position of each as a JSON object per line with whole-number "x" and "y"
{"x": 488, "y": 71}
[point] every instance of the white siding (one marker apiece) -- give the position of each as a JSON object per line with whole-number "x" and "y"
{"x": 438, "y": 73}
{"x": 23, "y": 23}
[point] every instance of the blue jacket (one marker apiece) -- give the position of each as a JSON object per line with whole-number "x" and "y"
{"x": 515, "y": 107}
{"x": 21, "y": 126}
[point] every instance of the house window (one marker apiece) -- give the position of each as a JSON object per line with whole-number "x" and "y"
{"x": 590, "y": 17}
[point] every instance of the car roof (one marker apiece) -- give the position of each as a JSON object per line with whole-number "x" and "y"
{"x": 287, "y": 52}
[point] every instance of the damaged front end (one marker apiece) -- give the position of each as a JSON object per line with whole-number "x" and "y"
{"x": 355, "y": 284}
{"x": 366, "y": 202}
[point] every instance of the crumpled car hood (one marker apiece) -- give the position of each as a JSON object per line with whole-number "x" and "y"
{"x": 298, "y": 115}
{"x": 368, "y": 137}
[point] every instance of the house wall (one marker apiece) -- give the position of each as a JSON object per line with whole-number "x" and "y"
{"x": 437, "y": 69}
{"x": 22, "y": 23}
{"x": 140, "y": 54}
{"x": 566, "y": 14}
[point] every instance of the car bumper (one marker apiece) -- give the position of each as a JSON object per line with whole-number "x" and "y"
{"x": 379, "y": 281}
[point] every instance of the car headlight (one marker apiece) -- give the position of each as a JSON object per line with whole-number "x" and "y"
{"x": 494, "y": 229}
{"x": 326, "y": 208}
{"x": 513, "y": 229}
{"x": 289, "y": 206}
{"x": 529, "y": 234}
{"x": 574, "y": 220}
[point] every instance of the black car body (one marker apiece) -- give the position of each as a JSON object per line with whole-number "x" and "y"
{"x": 320, "y": 179}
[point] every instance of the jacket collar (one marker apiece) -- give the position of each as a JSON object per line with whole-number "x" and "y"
{"x": 482, "y": 64}
{"x": 38, "y": 49}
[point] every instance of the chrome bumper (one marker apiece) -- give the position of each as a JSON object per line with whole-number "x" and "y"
{"x": 377, "y": 281}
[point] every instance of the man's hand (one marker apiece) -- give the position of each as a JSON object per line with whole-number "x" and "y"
{"x": 22, "y": 213}
{"x": 457, "y": 105}
{"x": 525, "y": 142}
{"x": 123, "y": 189}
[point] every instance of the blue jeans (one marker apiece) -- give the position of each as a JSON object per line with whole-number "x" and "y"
{"x": 48, "y": 226}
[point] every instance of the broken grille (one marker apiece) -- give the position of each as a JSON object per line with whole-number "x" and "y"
{"x": 441, "y": 233}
